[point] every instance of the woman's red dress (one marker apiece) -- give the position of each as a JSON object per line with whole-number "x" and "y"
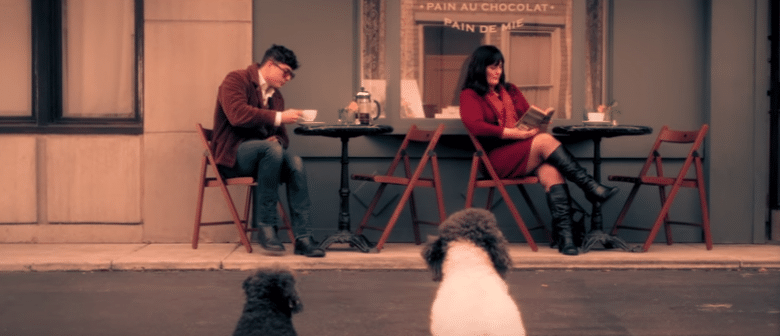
{"x": 481, "y": 118}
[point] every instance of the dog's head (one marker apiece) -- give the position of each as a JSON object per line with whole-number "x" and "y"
{"x": 276, "y": 286}
{"x": 478, "y": 226}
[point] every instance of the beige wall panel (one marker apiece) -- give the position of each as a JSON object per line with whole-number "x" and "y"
{"x": 185, "y": 63}
{"x": 18, "y": 198}
{"x": 93, "y": 179}
{"x": 75, "y": 233}
{"x": 171, "y": 170}
{"x": 205, "y": 10}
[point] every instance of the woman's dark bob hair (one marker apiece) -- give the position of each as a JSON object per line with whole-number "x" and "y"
{"x": 476, "y": 76}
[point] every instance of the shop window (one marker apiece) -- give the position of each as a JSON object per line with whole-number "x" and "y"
{"x": 435, "y": 39}
{"x": 445, "y": 53}
{"x": 72, "y": 66}
{"x": 532, "y": 37}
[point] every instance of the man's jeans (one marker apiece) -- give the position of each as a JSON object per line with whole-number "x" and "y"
{"x": 272, "y": 165}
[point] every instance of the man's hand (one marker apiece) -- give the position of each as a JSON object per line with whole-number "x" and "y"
{"x": 290, "y": 116}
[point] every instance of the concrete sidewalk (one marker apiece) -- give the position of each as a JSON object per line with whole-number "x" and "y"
{"x": 139, "y": 257}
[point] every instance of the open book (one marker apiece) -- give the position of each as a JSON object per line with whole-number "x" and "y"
{"x": 535, "y": 118}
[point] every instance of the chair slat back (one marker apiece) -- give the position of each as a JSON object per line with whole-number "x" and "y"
{"x": 429, "y": 136}
{"x": 418, "y": 136}
{"x": 401, "y": 152}
{"x": 480, "y": 158}
{"x": 477, "y": 145}
{"x": 206, "y": 136}
{"x": 666, "y": 135}
{"x": 693, "y": 153}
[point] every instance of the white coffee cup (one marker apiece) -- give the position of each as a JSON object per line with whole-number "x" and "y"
{"x": 309, "y": 115}
{"x": 595, "y": 116}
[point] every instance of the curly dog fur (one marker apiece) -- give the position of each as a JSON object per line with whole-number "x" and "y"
{"x": 271, "y": 299}
{"x": 470, "y": 258}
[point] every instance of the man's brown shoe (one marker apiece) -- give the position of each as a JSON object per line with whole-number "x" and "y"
{"x": 268, "y": 239}
{"x": 308, "y": 247}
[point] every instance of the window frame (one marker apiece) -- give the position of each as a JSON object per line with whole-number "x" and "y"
{"x": 47, "y": 87}
{"x": 393, "y": 61}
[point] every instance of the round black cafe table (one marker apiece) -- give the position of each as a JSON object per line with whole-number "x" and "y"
{"x": 576, "y": 133}
{"x": 344, "y": 132}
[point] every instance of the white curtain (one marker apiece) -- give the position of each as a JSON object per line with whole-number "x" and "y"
{"x": 15, "y": 56}
{"x": 98, "y": 58}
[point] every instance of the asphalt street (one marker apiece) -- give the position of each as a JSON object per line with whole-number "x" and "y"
{"x": 560, "y": 302}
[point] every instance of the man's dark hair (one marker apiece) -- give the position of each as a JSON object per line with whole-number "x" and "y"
{"x": 476, "y": 77}
{"x": 282, "y": 55}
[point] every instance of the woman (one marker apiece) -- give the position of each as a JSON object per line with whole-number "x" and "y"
{"x": 490, "y": 108}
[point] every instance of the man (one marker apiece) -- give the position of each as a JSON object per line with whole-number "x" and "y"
{"x": 250, "y": 139}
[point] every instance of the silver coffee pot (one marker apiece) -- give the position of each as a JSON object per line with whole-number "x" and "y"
{"x": 368, "y": 109}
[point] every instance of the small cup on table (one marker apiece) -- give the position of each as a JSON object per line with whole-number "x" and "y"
{"x": 309, "y": 115}
{"x": 596, "y": 116}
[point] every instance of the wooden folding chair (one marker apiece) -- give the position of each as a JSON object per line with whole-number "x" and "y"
{"x": 411, "y": 179}
{"x": 218, "y": 181}
{"x": 481, "y": 163}
{"x": 695, "y": 139}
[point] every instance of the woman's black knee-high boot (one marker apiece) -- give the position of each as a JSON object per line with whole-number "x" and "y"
{"x": 559, "y": 201}
{"x": 561, "y": 159}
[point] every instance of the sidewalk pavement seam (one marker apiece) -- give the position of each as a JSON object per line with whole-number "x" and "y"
{"x": 395, "y": 256}
{"x": 112, "y": 265}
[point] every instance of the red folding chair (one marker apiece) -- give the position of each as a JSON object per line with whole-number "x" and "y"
{"x": 412, "y": 179}
{"x": 479, "y": 162}
{"x": 218, "y": 181}
{"x": 692, "y": 138}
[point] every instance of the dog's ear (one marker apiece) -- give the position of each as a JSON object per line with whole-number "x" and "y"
{"x": 434, "y": 254}
{"x": 296, "y": 306}
{"x": 248, "y": 284}
{"x": 499, "y": 254}
{"x": 287, "y": 283}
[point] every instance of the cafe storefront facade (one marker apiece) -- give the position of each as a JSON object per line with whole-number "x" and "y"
{"x": 70, "y": 178}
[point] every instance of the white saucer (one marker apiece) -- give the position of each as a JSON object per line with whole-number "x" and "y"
{"x": 597, "y": 123}
{"x": 309, "y": 123}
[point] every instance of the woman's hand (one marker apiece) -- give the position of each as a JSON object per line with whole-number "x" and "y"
{"x": 514, "y": 133}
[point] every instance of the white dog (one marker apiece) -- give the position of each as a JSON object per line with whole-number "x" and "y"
{"x": 470, "y": 258}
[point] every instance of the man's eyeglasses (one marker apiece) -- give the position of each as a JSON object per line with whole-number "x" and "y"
{"x": 287, "y": 72}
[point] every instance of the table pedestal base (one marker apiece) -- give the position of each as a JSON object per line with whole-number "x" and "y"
{"x": 608, "y": 241}
{"x": 347, "y": 237}
{"x": 596, "y": 234}
{"x": 344, "y": 235}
